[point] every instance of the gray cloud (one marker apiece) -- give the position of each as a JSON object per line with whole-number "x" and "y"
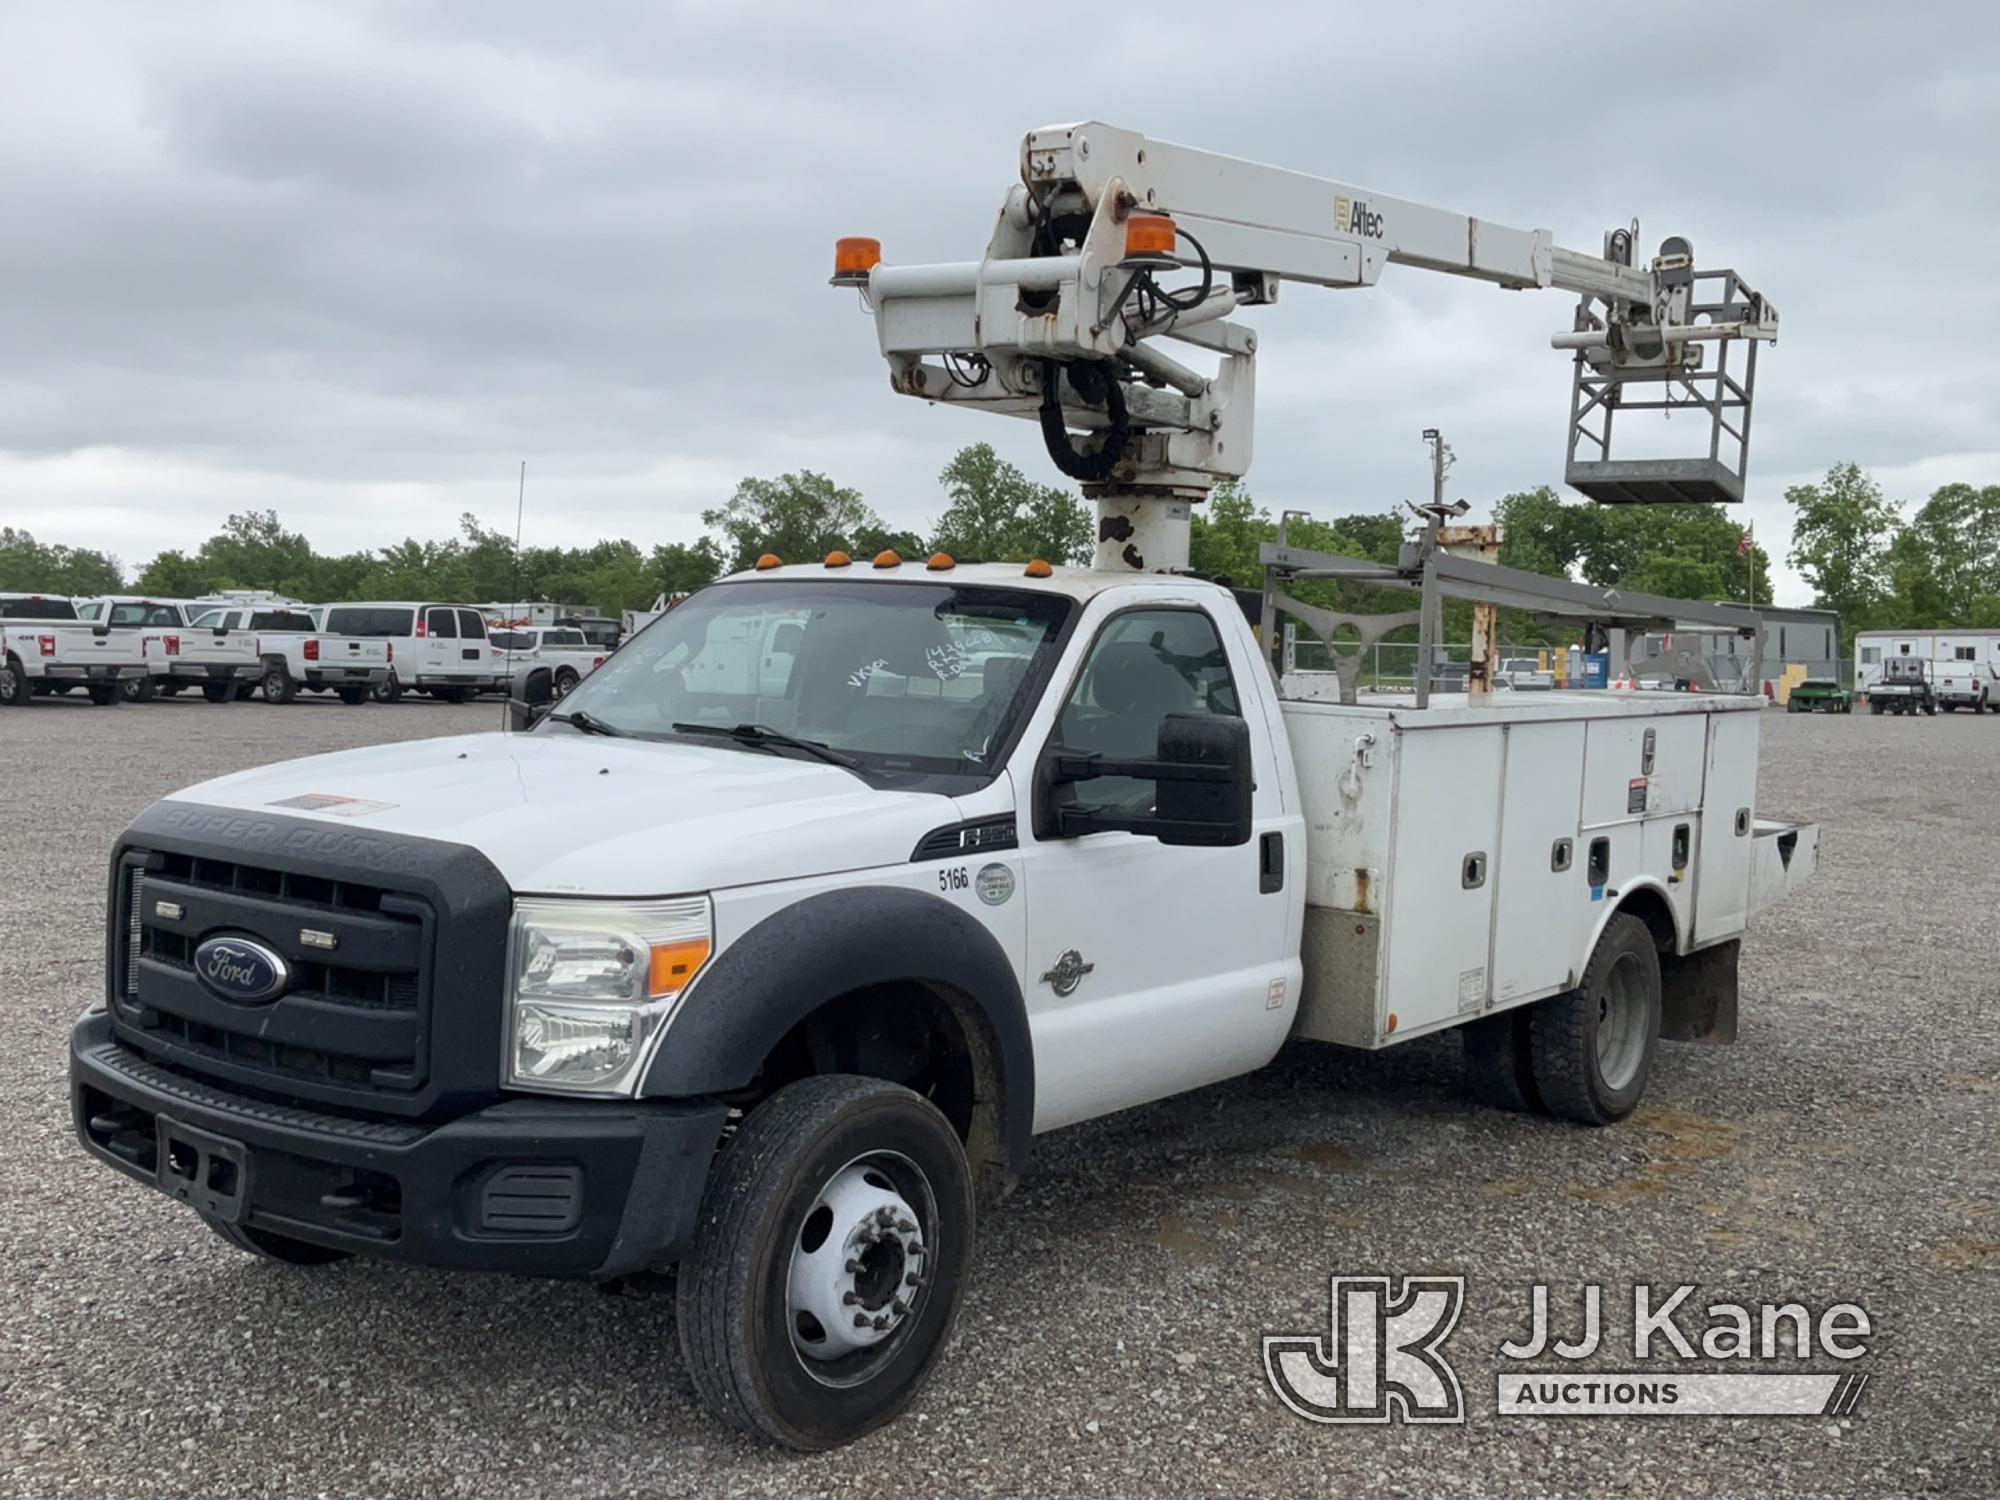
{"x": 353, "y": 263}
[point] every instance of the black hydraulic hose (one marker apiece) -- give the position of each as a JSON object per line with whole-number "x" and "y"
{"x": 1091, "y": 465}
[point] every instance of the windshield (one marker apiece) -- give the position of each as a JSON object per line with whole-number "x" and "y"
{"x": 912, "y": 680}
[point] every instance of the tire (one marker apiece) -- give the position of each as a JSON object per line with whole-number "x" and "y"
{"x": 140, "y": 689}
{"x": 832, "y": 1146}
{"x": 1585, "y": 1072}
{"x": 388, "y": 690}
{"x": 452, "y": 695}
{"x": 1874, "y": 707}
{"x": 355, "y": 696}
{"x": 566, "y": 681}
{"x": 265, "y": 1245}
{"x": 219, "y": 692}
{"x": 245, "y": 691}
{"x": 1499, "y": 1062}
{"x": 107, "y": 694}
{"x": 277, "y": 684}
{"x": 14, "y": 689}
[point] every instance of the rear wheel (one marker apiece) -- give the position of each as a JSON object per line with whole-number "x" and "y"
{"x": 219, "y": 692}
{"x": 451, "y": 694}
{"x": 354, "y": 695}
{"x": 107, "y": 694}
{"x": 1500, "y": 1063}
{"x": 278, "y": 685}
{"x": 566, "y": 679}
{"x": 14, "y": 689}
{"x": 279, "y": 1247}
{"x": 1593, "y": 1047}
{"x": 835, "y": 1236}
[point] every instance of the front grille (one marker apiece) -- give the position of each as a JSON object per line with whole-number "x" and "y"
{"x": 353, "y": 1019}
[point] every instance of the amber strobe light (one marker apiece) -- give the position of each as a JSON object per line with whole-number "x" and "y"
{"x": 1149, "y": 237}
{"x": 854, "y": 257}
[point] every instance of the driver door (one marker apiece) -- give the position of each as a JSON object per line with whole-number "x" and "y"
{"x": 1151, "y": 969}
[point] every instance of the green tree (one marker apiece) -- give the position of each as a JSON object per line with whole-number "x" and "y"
{"x": 798, "y": 517}
{"x": 1842, "y": 531}
{"x": 997, "y": 514}
{"x": 683, "y": 567}
{"x": 1225, "y": 533}
{"x": 28, "y": 567}
{"x": 1948, "y": 557}
{"x": 172, "y": 575}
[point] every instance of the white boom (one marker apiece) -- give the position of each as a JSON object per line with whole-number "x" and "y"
{"x": 1061, "y": 321}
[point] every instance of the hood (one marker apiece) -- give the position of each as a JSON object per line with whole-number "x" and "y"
{"x": 572, "y": 814}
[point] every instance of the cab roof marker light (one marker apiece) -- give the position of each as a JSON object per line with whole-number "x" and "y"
{"x": 769, "y": 561}
{"x": 888, "y": 558}
{"x": 941, "y": 562}
{"x": 838, "y": 559}
{"x": 1037, "y": 569}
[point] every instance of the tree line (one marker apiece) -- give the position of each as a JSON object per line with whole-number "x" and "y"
{"x": 1862, "y": 557}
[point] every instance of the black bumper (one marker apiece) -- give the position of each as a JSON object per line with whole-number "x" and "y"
{"x": 534, "y": 1187}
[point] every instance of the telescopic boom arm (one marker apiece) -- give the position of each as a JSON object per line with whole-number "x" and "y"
{"x": 1062, "y": 320}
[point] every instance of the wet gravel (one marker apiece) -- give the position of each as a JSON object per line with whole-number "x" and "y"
{"x": 1844, "y": 1150}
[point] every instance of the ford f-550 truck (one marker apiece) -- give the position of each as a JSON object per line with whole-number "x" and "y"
{"x": 777, "y": 979}
{"x": 771, "y": 949}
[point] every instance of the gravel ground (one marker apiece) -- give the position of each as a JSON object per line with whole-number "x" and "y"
{"x": 1844, "y": 1149}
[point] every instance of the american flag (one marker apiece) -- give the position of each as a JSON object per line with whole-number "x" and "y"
{"x": 1743, "y": 547}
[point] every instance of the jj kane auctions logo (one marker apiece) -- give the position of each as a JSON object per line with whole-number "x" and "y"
{"x": 1381, "y": 1358}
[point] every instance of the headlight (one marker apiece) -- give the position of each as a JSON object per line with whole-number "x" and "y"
{"x": 591, "y": 982}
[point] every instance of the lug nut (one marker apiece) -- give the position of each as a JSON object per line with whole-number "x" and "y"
{"x": 849, "y": 1299}
{"x": 913, "y": 1279}
{"x": 882, "y": 1324}
{"x": 860, "y": 1320}
{"x": 853, "y": 1267}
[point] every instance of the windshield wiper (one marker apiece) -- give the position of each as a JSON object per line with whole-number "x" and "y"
{"x": 588, "y": 723}
{"x": 763, "y": 734}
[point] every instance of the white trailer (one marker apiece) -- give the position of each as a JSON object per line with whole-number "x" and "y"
{"x": 1940, "y": 647}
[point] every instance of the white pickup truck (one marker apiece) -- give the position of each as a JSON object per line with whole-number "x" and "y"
{"x": 776, "y": 974}
{"x": 222, "y": 663}
{"x": 563, "y": 649}
{"x": 46, "y": 647}
{"x": 294, "y": 653}
{"x": 1968, "y": 684}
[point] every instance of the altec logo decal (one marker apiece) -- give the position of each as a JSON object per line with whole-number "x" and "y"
{"x": 1354, "y": 216}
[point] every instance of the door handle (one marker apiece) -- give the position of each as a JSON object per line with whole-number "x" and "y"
{"x": 1270, "y": 863}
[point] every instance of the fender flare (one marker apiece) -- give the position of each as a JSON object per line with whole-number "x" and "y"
{"x": 832, "y": 944}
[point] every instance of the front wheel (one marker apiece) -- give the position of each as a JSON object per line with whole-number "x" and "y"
{"x": 827, "y": 1268}
{"x": 1594, "y": 1046}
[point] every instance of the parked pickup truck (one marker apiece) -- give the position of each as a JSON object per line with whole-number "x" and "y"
{"x": 46, "y": 647}
{"x": 222, "y": 663}
{"x": 775, "y": 972}
{"x": 563, "y": 649}
{"x": 1524, "y": 673}
{"x": 1904, "y": 687}
{"x": 294, "y": 654}
{"x": 1968, "y": 684}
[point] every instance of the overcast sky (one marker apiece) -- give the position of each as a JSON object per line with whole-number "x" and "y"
{"x": 354, "y": 262}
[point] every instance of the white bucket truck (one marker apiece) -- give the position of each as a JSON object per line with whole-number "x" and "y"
{"x": 770, "y": 950}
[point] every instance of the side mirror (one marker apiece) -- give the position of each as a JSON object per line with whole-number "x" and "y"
{"x": 537, "y": 693}
{"x": 1202, "y": 773}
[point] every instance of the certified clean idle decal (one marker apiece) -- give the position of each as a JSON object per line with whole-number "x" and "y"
{"x": 995, "y": 884}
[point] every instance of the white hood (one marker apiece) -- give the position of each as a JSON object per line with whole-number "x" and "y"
{"x": 587, "y": 815}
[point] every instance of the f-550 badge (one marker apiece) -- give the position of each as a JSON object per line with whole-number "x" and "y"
{"x": 1068, "y": 973}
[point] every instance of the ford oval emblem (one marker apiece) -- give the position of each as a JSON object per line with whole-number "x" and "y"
{"x": 241, "y": 970}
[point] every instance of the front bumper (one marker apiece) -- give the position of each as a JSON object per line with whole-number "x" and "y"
{"x": 533, "y": 1187}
